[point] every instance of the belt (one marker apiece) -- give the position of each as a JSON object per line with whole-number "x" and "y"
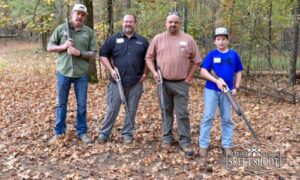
{"x": 168, "y": 80}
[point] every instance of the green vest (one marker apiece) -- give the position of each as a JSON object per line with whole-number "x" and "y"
{"x": 84, "y": 40}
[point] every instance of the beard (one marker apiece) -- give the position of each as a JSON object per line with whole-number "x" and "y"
{"x": 78, "y": 22}
{"x": 128, "y": 29}
{"x": 173, "y": 29}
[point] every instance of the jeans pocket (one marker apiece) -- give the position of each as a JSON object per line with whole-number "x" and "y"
{"x": 135, "y": 96}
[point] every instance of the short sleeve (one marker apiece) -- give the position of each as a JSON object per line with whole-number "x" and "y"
{"x": 146, "y": 44}
{"x": 238, "y": 64}
{"x": 92, "y": 45}
{"x": 54, "y": 39}
{"x": 151, "y": 52}
{"x": 106, "y": 49}
{"x": 196, "y": 58}
{"x": 207, "y": 62}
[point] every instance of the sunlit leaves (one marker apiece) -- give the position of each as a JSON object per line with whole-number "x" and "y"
{"x": 4, "y": 14}
{"x": 39, "y": 16}
{"x": 49, "y": 2}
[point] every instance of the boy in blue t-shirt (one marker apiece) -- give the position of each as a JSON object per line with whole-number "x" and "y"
{"x": 227, "y": 65}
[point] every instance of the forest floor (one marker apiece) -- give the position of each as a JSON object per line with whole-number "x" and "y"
{"x": 27, "y": 118}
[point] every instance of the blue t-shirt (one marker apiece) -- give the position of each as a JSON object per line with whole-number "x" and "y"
{"x": 225, "y": 64}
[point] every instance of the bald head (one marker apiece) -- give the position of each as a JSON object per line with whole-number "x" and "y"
{"x": 172, "y": 24}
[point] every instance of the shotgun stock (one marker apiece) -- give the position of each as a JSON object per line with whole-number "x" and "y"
{"x": 121, "y": 92}
{"x": 235, "y": 105}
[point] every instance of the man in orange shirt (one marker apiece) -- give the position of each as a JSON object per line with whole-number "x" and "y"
{"x": 177, "y": 55}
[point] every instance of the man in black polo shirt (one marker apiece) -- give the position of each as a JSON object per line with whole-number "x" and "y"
{"x": 125, "y": 50}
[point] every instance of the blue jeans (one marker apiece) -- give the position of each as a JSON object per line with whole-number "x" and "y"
{"x": 63, "y": 89}
{"x": 113, "y": 103}
{"x": 212, "y": 100}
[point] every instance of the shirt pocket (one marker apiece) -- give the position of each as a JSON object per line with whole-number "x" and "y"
{"x": 83, "y": 41}
{"x": 119, "y": 50}
{"x": 140, "y": 50}
{"x": 63, "y": 37}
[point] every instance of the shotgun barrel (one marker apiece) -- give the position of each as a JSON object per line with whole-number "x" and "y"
{"x": 69, "y": 35}
{"x": 121, "y": 92}
{"x": 235, "y": 105}
{"x": 161, "y": 95}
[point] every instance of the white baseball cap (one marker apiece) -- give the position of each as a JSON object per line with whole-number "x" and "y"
{"x": 80, "y": 7}
{"x": 221, "y": 31}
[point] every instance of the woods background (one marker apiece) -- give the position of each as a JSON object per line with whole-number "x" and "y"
{"x": 264, "y": 32}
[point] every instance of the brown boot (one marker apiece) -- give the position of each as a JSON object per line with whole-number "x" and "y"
{"x": 188, "y": 151}
{"x": 203, "y": 152}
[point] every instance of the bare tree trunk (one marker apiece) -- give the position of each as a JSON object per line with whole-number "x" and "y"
{"x": 60, "y": 10}
{"x": 90, "y": 17}
{"x": 269, "y": 48}
{"x": 43, "y": 35}
{"x": 127, "y": 4}
{"x": 44, "y": 41}
{"x": 110, "y": 21}
{"x": 185, "y": 13}
{"x": 251, "y": 42}
{"x": 293, "y": 64}
{"x": 174, "y": 5}
{"x": 269, "y": 33}
{"x": 5, "y": 27}
{"x": 90, "y": 22}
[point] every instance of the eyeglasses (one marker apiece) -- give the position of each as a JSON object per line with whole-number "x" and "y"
{"x": 173, "y": 13}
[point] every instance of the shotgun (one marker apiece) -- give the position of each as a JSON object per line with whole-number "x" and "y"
{"x": 121, "y": 92}
{"x": 235, "y": 105}
{"x": 69, "y": 36}
{"x": 161, "y": 95}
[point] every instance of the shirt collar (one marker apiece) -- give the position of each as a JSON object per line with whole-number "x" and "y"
{"x": 79, "y": 29}
{"x": 133, "y": 36}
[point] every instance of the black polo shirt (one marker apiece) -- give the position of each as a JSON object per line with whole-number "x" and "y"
{"x": 127, "y": 54}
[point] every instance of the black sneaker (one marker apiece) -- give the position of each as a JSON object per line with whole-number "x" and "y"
{"x": 167, "y": 145}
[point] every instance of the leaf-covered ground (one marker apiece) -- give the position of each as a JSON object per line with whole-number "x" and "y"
{"x": 27, "y": 118}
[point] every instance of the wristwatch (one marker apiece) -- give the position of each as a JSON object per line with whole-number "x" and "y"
{"x": 80, "y": 55}
{"x": 237, "y": 88}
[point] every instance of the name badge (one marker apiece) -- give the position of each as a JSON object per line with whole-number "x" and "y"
{"x": 182, "y": 43}
{"x": 217, "y": 60}
{"x": 120, "y": 40}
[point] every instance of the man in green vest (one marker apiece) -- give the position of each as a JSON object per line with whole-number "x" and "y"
{"x": 74, "y": 51}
